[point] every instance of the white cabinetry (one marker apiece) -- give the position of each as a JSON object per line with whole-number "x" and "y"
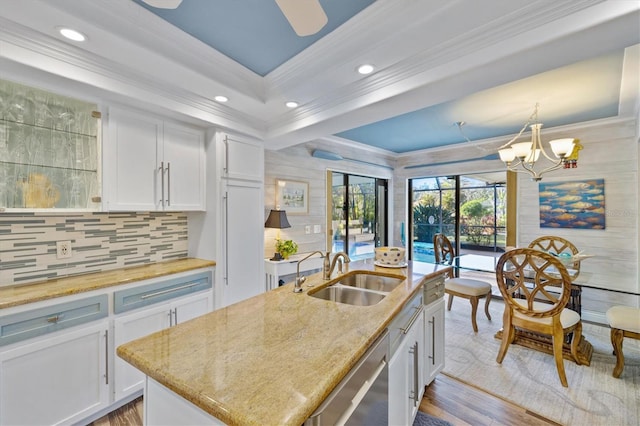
{"x": 166, "y": 313}
{"x": 433, "y": 328}
{"x": 406, "y": 376}
{"x": 151, "y": 164}
{"x": 60, "y": 377}
{"x": 242, "y": 219}
{"x": 434, "y": 340}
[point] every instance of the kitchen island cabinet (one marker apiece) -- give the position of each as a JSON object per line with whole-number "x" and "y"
{"x": 273, "y": 358}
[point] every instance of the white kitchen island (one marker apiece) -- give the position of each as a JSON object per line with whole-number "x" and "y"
{"x": 271, "y": 359}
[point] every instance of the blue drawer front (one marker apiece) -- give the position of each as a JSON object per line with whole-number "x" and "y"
{"x": 134, "y": 298}
{"x": 28, "y": 324}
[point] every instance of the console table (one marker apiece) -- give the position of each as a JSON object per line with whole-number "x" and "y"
{"x": 280, "y": 272}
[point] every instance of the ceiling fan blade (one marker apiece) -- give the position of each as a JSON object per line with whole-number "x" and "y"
{"x": 163, "y": 4}
{"x": 306, "y": 17}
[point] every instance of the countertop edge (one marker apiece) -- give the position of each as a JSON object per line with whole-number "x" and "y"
{"x": 23, "y": 294}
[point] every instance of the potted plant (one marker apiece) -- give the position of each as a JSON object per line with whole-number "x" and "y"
{"x": 286, "y": 248}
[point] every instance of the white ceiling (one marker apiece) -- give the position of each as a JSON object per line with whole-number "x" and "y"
{"x": 486, "y": 63}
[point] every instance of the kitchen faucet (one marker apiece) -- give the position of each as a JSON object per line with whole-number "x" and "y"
{"x": 327, "y": 267}
{"x": 340, "y": 257}
{"x": 297, "y": 288}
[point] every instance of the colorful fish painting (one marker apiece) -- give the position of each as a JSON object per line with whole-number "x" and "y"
{"x": 578, "y": 205}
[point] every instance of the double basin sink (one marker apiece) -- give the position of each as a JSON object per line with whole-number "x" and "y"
{"x": 358, "y": 288}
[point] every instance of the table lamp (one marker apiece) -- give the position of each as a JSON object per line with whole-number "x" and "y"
{"x": 277, "y": 219}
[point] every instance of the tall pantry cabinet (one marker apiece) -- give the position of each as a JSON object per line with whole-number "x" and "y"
{"x": 240, "y": 260}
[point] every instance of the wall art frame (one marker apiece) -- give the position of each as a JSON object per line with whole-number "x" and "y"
{"x": 292, "y": 196}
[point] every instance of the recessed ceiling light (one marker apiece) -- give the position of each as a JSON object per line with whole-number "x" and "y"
{"x": 365, "y": 69}
{"x": 291, "y": 104}
{"x": 72, "y": 34}
{"x": 221, "y": 98}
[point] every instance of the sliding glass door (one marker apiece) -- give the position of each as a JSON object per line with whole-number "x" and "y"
{"x": 469, "y": 210}
{"x": 358, "y": 214}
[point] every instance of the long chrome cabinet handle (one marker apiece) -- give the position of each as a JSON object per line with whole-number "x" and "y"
{"x": 413, "y": 319}
{"x": 55, "y": 319}
{"x": 416, "y": 375}
{"x": 162, "y": 183}
{"x": 168, "y": 183}
{"x": 225, "y": 168}
{"x": 169, "y": 290}
{"x": 106, "y": 357}
{"x": 433, "y": 340}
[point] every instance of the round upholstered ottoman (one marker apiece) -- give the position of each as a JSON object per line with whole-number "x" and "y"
{"x": 624, "y": 322}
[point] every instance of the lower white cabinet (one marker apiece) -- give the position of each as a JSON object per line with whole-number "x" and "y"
{"x": 434, "y": 339}
{"x": 57, "y": 379}
{"x": 144, "y": 321}
{"x": 406, "y": 376}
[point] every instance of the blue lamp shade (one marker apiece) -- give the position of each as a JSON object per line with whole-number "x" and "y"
{"x": 277, "y": 219}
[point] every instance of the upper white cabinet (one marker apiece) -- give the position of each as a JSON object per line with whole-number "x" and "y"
{"x": 242, "y": 159}
{"x": 152, "y": 165}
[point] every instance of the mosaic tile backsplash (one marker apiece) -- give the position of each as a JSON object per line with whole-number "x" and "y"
{"x": 99, "y": 242}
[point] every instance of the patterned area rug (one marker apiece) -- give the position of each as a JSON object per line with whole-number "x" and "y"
{"x": 529, "y": 378}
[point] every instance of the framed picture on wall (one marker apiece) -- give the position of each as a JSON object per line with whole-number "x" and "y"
{"x": 292, "y": 196}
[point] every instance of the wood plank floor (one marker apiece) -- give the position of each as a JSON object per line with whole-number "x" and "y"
{"x": 447, "y": 398}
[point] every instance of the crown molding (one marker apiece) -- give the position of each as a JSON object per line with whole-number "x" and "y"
{"x": 27, "y": 47}
{"x": 152, "y": 33}
{"x": 507, "y": 38}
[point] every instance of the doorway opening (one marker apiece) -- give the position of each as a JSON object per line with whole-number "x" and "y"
{"x": 358, "y": 214}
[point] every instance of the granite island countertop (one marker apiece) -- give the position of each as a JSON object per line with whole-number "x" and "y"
{"x": 273, "y": 358}
{"x": 22, "y": 294}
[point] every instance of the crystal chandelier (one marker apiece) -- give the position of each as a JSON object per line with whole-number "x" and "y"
{"x": 523, "y": 157}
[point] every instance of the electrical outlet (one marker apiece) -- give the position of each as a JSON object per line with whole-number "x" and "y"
{"x": 307, "y": 229}
{"x": 63, "y": 249}
{"x": 317, "y": 229}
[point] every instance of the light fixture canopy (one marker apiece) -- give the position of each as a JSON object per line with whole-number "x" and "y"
{"x": 523, "y": 157}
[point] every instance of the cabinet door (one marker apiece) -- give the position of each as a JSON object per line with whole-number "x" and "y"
{"x": 184, "y": 176}
{"x": 399, "y": 397}
{"x": 243, "y": 241}
{"x": 132, "y": 177}
{"x": 57, "y": 379}
{"x": 128, "y": 327}
{"x": 192, "y": 307}
{"x": 243, "y": 159}
{"x": 416, "y": 365}
{"x": 434, "y": 340}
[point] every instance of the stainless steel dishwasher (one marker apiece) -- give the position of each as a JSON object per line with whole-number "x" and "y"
{"x": 361, "y": 398}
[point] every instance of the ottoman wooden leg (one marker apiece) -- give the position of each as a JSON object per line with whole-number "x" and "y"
{"x": 617, "y": 336}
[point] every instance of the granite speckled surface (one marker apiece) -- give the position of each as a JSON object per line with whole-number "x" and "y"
{"x": 273, "y": 358}
{"x": 29, "y": 293}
